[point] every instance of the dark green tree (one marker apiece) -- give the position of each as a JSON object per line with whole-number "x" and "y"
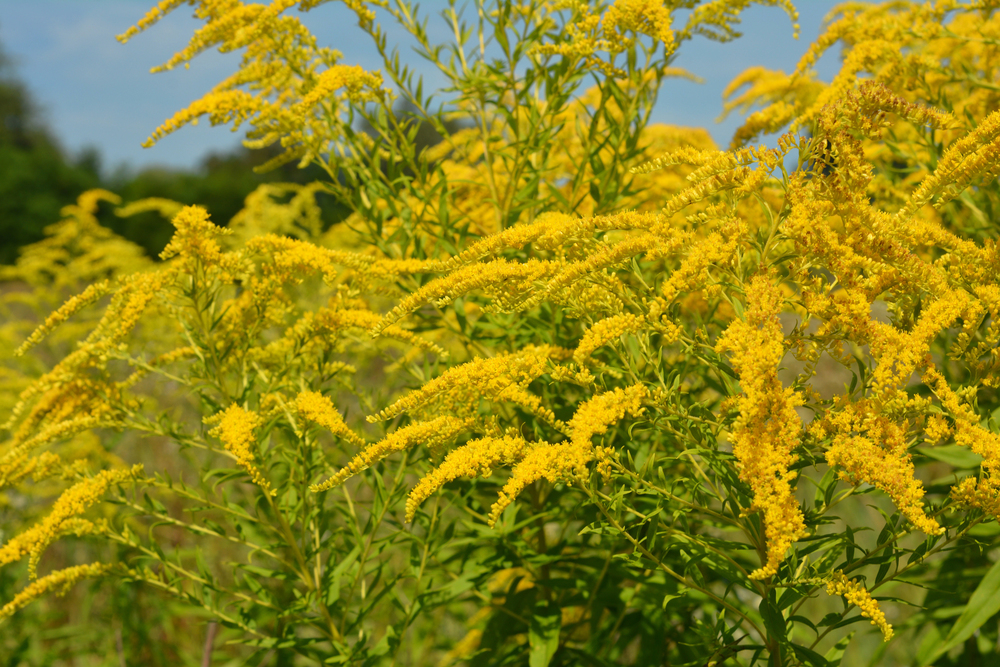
{"x": 36, "y": 178}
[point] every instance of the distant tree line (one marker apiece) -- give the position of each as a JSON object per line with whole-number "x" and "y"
{"x": 38, "y": 178}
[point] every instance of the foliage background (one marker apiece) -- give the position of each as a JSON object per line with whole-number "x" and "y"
{"x": 530, "y": 568}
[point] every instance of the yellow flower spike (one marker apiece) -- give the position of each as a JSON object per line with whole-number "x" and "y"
{"x": 353, "y": 78}
{"x": 319, "y": 409}
{"x": 568, "y": 461}
{"x": 236, "y": 431}
{"x": 857, "y": 595}
{"x": 513, "y": 278}
{"x": 462, "y": 387}
{"x": 61, "y": 580}
{"x": 547, "y": 224}
{"x": 768, "y": 429}
{"x": 717, "y": 17}
{"x": 293, "y": 260}
{"x": 605, "y": 331}
{"x": 168, "y": 208}
{"x": 73, "y": 502}
{"x": 645, "y": 17}
{"x": 335, "y": 320}
{"x": 597, "y": 414}
{"x": 433, "y": 433}
{"x": 899, "y": 354}
{"x": 475, "y": 458}
{"x": 868, "y": 447}
{"x": 131, "y": 301}
{"x": 982, "y": 493}
{"x": 153, "y": 16}
{"x": 195, "y": 236}
{"x": 38, "y": 468}
{"x": 72, "y": 306}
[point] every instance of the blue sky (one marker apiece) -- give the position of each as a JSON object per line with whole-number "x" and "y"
{"x": 97, "y": 92}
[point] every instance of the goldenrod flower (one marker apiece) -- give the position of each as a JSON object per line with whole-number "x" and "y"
{"x": 568, "y": 461}
{"x": 353, "y": 78}
{"x": 195, "y": 237}
{"x": 645, "y": 17}
{"x": 73, "y": 502}
{"x": 868, "y": 447}
{"x": 857, "y": 595}
{"x": 982, "y": 493}
{"x": 236, "y": 430}
{"x": 431, "y": 433}
{"x": 767, "y": 430}
{"x": 67, "y": 310}
{"x": 319, "y": 409}
{"x": 475, "y": 458}
{"x": 61, "y": 580}
{"x": 605, "y": 331}
{"x": 461, "y": 388}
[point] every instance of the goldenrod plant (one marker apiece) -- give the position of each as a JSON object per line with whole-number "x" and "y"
{"x": 566, "y": 388}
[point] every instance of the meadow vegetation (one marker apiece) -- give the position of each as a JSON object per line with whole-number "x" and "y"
{"x": 564, "y": 387}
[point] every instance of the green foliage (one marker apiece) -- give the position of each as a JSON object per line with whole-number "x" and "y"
{"x": 564, "y": 388}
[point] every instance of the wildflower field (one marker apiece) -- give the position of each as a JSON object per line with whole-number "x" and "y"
{"x": 564, "y": 387}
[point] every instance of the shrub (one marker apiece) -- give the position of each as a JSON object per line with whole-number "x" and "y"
{"x": 706, "y": 375}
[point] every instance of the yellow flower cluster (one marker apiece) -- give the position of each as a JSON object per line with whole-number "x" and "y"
{"x": 236, "y": 430}
{"x": 982, "y": 493}
{"x": 716, "y": 18}
{"x": 568, "y": 461}
{"x": 63, "y": 519}
{"x": 767, "y": 430}
{"x": 459, "y": 389}
{"x": 503, "y": 279}
{"x": 317, "y": 408}
{"x": 604, "y": 332}
{"x": 195, "y": 237}
{"x": 283, "y": 67}
{"x": 899, "y": 354}
{"x": 857, "y": 595}
{"x": 85, "y": 298}
{"x": 432, "y": 433}
{"x": 353, "y": 78}
{"x": 475, "y": 458}
{"x": 292, "y": 260}
{"x": 168, "y": 208}
{"x": 868, "y": 447}
{"x": 644, "y": 17}
{"x": 60, "y": 581}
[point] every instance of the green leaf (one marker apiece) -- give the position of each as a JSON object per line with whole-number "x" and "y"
{"x": 836, "y": 652}
{"x": 773, "y": 619}
{"x": 543, "y": 635}
{"x": 983, "y": 604}
{"x": 954, "y": 455}
{"x": 809, "y": 657}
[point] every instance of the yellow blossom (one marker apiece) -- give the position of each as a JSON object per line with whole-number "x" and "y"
{"x": 604, "y": 332}
{"x": 195, "y": 236}
{"x": 982, "y": 493}
{"x": 567, "y": 461}
{"x": 475, "y": 458}
{"x": 461, "y": 388}
{"x": 236, "y": 430}
{"x": 433, "y": 433}
{"x": 319, "y": 409}
{"x": 856, "y": 595}
{"x": 67, "y": 310}
{"x": 868, "y": 447}
{"x": 646, "y": 17}
{"x": 353, "y": 78}
{"x": 61, "y": 580}
{"x": 767, "y": 430}
{"x": 73, "y": 502}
